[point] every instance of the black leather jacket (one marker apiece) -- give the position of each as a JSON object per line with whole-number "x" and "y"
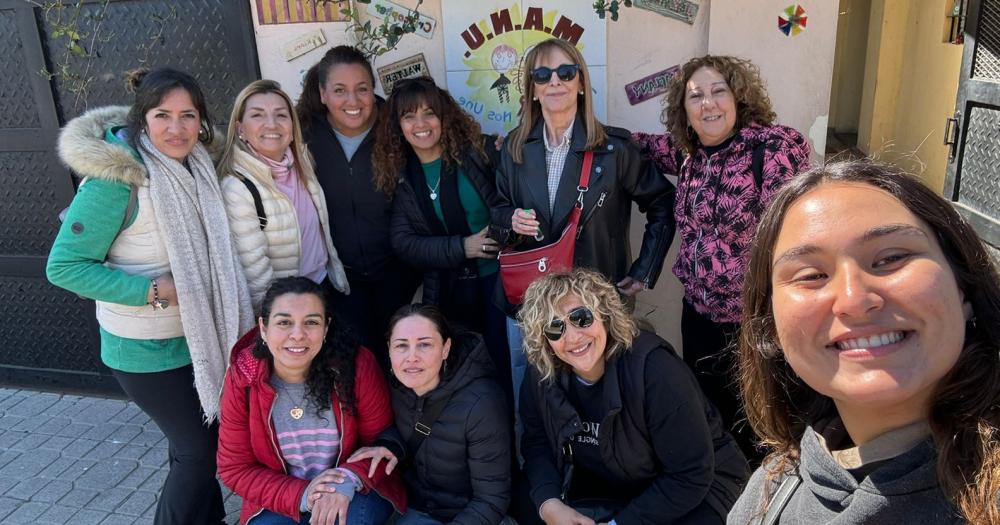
{"x": 660, "y": 435}
{"x": 619, "y": 177}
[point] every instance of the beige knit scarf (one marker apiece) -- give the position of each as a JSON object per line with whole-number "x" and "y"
{"x": 211, "y": 288}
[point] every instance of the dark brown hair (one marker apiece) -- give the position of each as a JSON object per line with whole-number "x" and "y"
{"x": 459, "y": 131}
{"x": 964, "y": 413}
{"x": 309, "y": 102}
{"x": 743, "y": 79}
{"x": 150, "y": 87}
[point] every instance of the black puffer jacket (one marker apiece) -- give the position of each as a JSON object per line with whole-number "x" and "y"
{"x": 660, "y": 434}
{"x": 359, "y": 214}
{"x": 461, "y": 473}
{"x": 620, "y": 176}
{"x": 418, "y": 236}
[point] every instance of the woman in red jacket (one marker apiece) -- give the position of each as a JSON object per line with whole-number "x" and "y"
{"x": 298, "y": 397}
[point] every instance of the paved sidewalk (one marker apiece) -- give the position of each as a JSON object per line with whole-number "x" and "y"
{"x": 81, "y": 460}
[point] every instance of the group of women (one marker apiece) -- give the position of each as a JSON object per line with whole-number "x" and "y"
{"x": 257, "y": 308}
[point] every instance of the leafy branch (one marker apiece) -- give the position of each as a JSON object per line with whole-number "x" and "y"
{"x": 378, "y": 39}
{"x": 66, "y": 18}
{"x": 603, "y": 8}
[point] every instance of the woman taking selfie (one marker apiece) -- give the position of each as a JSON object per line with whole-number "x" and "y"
{"x": 146, "y": 237}
{"x": 299, "y": 397}
{"x": 869, "y": 359}
{"x": 267, "y": 168}
{"x": 452, "y": 436}
{"x": 615, "y": 427}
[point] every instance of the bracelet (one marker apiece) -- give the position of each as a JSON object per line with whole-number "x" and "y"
{"x": 158, "y": 304}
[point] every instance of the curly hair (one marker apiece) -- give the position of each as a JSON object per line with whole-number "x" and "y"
{"x": 541, "y": 305}
{"x": 742, "y": 77}
{"x": 459, "y": 132}
{"x": 964, "y": 416}
{"x": 332, "y": 370}
{"x": 531, "y": 109}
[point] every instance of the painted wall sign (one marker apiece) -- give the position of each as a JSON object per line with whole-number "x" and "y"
{"x": 411, "y": 67}
{"x": 682, "y": 10}
{"x": 650, "y": 86}
{"x": 792, "y": 20}
{"x": 302, "y": 44}
{"x": 384, "y": 9}
{"x": 485, "y": 42}
{"x": 297, "y": 11}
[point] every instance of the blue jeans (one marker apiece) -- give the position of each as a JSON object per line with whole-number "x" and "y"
{"x": 415, "y": 517}
{"x": 365, "y": 509}
{"x": 518, "y": 367}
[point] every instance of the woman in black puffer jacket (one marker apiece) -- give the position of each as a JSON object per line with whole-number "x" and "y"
{"x": 459, "y": 472}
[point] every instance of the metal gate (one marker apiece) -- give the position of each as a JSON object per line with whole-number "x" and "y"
{"x": 973, "y": 179}
{"x": 48, "y": 337}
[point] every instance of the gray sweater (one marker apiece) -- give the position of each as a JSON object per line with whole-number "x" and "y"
{"x": 904, "y": 489}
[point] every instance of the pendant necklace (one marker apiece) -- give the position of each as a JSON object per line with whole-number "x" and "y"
{"x": 434, "y": 190}
{"x": 296, "y": 411}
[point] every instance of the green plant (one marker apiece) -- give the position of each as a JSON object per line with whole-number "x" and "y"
{"x": 66, "y": 19}
{"x": 610, "y": 8}
{"x": 377, "y": 39}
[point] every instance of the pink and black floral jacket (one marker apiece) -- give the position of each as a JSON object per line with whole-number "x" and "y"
{"x": 718, "y": 206}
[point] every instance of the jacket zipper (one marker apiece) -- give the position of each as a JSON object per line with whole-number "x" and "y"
{"x": 270, "y": 435}
{"x": 600, "y": 202}
{"x": 701, "y": 230}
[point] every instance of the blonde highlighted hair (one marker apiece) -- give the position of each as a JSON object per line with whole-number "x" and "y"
{"x": 300, "y": 153}
{"x": 531, "y": 110}
{"x": 541, "y": 305}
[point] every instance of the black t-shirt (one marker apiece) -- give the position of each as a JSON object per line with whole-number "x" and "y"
{"x": 591, "y": 478}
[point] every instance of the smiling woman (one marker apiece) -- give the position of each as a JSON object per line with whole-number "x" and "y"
{"x": 869, "y": 361}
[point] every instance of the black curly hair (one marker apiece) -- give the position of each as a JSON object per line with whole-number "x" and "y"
{"x": 333, "y": 367}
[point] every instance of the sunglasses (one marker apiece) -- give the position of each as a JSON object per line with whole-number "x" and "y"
{"x": 566, "y": 72}
{"x": 580, "y": 317}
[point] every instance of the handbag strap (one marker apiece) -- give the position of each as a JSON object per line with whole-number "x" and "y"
{"x": 582, "y": 188}
{"x": 780, "y": 499}
{"x": 422, "y": 428}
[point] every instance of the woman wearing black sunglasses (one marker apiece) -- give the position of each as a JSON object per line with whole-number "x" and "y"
{"x": 540, "y": 172}
{"x": 615, "y": 426}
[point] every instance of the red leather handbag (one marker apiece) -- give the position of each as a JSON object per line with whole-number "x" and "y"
{"x": 518, "y": 269}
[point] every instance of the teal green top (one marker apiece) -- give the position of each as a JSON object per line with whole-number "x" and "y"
{"x": 477, "y": 214}
{"x": 76, "y": 263}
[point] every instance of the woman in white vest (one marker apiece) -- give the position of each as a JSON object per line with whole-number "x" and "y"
{"x": 276, "y": 207}
{"x": 146, "y": 237}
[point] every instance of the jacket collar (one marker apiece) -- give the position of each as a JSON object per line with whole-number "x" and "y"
{"x": 566, "y": 194}
{"x": 82, "y": 148}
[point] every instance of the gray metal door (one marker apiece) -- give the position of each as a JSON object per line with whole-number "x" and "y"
{"x": 973, "y": 179}
{"x": 49, "y": 335}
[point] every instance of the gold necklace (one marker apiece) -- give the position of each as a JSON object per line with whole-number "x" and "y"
{"x": 296, "y": 412}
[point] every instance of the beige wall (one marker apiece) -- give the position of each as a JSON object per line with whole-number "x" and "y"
{"x": 911, "y": 80}
{"x": 849, "y": 65}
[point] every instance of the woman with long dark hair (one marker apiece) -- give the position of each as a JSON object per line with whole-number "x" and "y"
{"x": 338, "y": 110}
{"x": 301, "y": 395}
{"x": 869, "y": 356}
{"x": 431, "y": 156}
{"x": 146, "y": 237}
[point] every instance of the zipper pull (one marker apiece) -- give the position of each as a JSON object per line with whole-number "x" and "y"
{"x": 600, "y": 201}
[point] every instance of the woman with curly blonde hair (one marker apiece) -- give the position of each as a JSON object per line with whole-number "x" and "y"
{"x": 730, "y": 158}
{"x": 615, "y": 427}
{"x": 869, "y": 356}
{"x": 430, "y": 156}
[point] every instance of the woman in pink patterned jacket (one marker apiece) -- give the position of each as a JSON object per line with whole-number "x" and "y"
{"x": 730, "y": 158}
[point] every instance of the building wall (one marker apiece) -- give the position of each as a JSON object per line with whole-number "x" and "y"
{"x": 849, "y": 65}
{"x": 797, "y": 70}
{"x": 911, "y": 81}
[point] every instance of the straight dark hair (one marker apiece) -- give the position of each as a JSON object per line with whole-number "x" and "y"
{"x": 428, "y": 311}
{"x": 964, "y": 414}
{"x": 333, "y": 367}
{"x": 150, "y": 87}
{"x": 309, "y": 102}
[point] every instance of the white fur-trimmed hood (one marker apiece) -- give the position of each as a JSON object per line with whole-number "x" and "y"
{"x": 83, "y": 149}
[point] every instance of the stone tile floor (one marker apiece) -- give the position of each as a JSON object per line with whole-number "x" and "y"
{"x": 81, "y": 460}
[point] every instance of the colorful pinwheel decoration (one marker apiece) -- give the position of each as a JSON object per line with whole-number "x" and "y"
{"x": 792, "y": 20}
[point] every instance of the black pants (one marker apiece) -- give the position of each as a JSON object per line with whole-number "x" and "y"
{"x": 710, "y": 352}
{"x": 191, "y": 494}
{"x": 373, "y": 300}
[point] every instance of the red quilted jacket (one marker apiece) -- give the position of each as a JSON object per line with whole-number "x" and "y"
{"x": 248, "y": 457}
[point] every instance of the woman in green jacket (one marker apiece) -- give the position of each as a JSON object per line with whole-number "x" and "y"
{"x": 145, "y": 236}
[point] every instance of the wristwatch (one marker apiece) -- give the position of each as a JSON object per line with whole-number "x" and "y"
{"x": 158, "y": 304}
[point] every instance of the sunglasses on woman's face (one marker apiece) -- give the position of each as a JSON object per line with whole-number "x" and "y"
{"x": 566, "y": 72}
{"x": 580, "y": 317}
